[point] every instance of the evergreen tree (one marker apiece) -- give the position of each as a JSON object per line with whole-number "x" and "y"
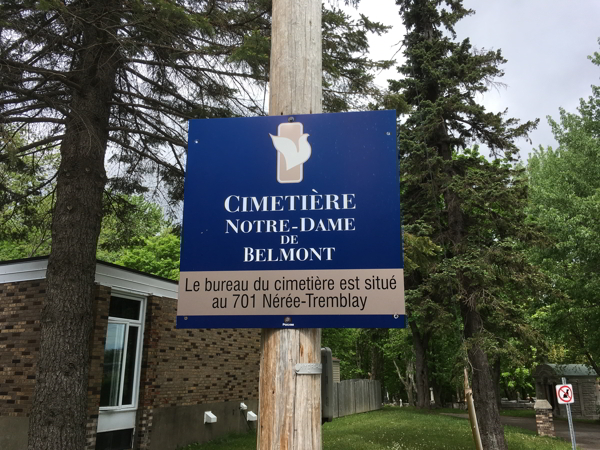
{"x": 82, "y": 76}
{"x": 471, "y": 207}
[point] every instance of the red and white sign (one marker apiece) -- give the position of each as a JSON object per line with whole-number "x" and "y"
{"x": 564, "y": 393}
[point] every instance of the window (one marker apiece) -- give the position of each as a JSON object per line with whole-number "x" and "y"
{"x": 122, "y": 354}
{"x": 115, "y": 440}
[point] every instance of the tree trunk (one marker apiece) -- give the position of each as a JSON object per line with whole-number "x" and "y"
{"x": 409, "y": 381}
{"x": 410, "y": 374}
{"x": 488, "y": 416}
{"x": 59, "y": 412}
{"x": 592, "y": 362}
{"x": 496, "y": 379}
{"x": 421, "y": 342}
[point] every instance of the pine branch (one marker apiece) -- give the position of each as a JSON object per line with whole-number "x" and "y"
{"x": 196, "y": 69}
{"x": 159, "y": 86}
{"x": 161, "y": 137}
{"x": 147, "y": 154}
{"x": 48, "y": 74}
{"x": 39, "y": 143}
{"x": 25, "y": 119}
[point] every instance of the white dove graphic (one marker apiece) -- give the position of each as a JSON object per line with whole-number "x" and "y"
{"x": 294, "y": 156}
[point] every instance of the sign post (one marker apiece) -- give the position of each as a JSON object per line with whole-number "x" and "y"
{"x": 291, "y": 223}
{"x": 564, "y": 394}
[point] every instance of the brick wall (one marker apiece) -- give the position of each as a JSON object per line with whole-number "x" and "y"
{"x": 192, "y": 367}
{"x": 179, "y": 367}
{"x": 544, "y": 423}
{"x": 20, "y": 310}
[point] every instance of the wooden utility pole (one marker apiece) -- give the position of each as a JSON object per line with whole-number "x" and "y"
{"x": 290, "y": 404}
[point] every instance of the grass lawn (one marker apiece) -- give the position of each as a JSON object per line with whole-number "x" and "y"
{"x": 398, "y": 429}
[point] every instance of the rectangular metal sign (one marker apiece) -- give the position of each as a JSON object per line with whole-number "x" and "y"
{"x": 564, "y": 394}
{"x": 292, "y": 221}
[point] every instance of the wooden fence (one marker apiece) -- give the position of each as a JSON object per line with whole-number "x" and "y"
{"x": 356, "y": 396}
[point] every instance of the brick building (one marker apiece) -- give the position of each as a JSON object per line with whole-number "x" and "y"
{"x": 149, "y": 383}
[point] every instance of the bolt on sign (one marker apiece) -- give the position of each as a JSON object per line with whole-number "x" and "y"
{"x": 292, "y": 221}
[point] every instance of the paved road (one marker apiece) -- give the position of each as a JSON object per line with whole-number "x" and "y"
{"x": 587, "y": 435}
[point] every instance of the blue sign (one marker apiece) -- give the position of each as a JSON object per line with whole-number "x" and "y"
{"x": 292, "y": 221}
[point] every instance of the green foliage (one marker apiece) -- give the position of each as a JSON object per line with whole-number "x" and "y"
{"x": 520, "y": 380}
{"x": 129, "y": 222}
{"x": 26, "y": 199}
{"x": 419, "y": 250}
{"x": 345, "y": 344}
{"x": 347, "y": 70}
{"x": 565, "y": 200}
{"x": 400, "y": 361}
{"x": 158, "y": 255}
{"x": 127, "y": 219}
{"x": 10, "y": 250}
{"x": 446, "y": 363}
{"x": 254, "y": 53}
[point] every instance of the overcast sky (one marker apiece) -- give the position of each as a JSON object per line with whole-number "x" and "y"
{"x": 546, "y": 43}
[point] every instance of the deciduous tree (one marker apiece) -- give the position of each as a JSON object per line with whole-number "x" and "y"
{"x": 565, "y": 200}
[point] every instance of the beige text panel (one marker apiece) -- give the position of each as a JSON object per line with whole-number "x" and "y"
{"x": 306, "y": 292}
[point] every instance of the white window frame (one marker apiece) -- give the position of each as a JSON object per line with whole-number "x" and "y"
{"x": 138, "y": 359}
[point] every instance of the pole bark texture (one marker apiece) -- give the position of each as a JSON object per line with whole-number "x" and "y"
{"x": 290, "y": 404}
{"x": 296, "y": 68}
